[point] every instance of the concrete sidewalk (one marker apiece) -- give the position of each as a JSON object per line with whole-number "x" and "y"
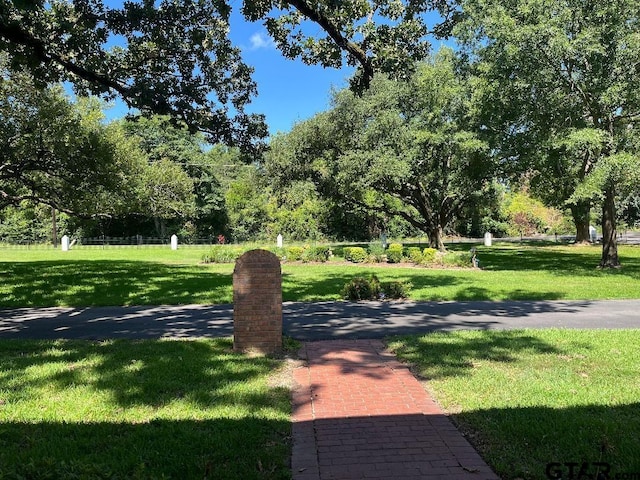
{"x": 359, "y": 413}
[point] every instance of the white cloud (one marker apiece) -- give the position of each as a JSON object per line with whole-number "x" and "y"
{"x": 261, "y": 40}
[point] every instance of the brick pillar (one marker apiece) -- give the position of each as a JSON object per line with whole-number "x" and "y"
{"x": 257, "y": 302}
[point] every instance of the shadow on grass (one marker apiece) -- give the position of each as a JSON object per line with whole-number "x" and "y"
{"x": 581, "y": 261}
{"x": 444, "y": 355}
{"x": 330, "y": 285}
{"x": 521, "y": 442}
{"x": 230, "y": 449}
{"x": 105, "y": 282}
{"x": 164, "y": 410}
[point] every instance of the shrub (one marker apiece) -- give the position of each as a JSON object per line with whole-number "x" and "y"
{"x": 361, "y": 288}
{"x": 370, "y": 288}
{"x": 456, "y": 259}
{"x": 294, "y": 253}
{"x": 395, "y": 289}
{"x": 415, "y": 255}
{"x": 355, "y": 254}
{"x": 429, "y": 255}
{"x": 316, "y": 254}
{"x": 394, "y": 253}
{"x": 222, "y": 254}
{"x": 377, "y": 253}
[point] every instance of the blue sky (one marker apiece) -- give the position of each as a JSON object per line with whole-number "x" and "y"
{"x": 288, "y": 90}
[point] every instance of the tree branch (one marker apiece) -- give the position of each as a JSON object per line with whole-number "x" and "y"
{"x": 334, "y": 32}
{"x": 13, "y": 33}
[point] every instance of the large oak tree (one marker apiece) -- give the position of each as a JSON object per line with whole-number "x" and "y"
{"x": 561, "y": 91}
{"x": 407, "y": 149}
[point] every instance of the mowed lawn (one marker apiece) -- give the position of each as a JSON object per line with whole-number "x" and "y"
{"x": 153, "y": 276}
{"x": 141, "y": 410}
{"x": 533, "y": 402}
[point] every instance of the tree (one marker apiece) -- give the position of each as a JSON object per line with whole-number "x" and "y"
{"x": 53, "y": 152}
{"x": 560, "y": 80}
{"x": 165, "y": 191}
{"x": 175, "y": 58}
{"x": 246, "y": 204}
{"x": 404, "y": 149}
{"x": 162, "y": 139}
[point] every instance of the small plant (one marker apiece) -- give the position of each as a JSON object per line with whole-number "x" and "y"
{"x": 377, "y": 253}
{"x": 370, "y": 288}
{"x": 361, "y": 288}
{"x": 394, "y": 253}
{"x": 455, "y": 259}
{"x": 355, "y": 254}
{"x": 222, "y": 254}
{"x": 316, "y": 254}
{"x": 294, "y": 254}
{"x": 429, "y": 255}
{"x": 415, "y": 255}
{"x": 395, "y": 290}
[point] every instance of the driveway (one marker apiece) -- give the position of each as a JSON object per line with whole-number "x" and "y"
{"x": 317, "y": 321}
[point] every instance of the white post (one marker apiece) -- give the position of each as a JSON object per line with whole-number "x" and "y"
{"x": 279, "y": 241}
{"x": 487, "y": 239}
{"x": 593, "y": 234}
{"x": 65, "y": 243}
{"x": 174, "y": 242}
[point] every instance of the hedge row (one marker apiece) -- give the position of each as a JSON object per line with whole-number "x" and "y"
{"x": 396, "y": 253}
{"x": 230, "y": 253}
{"x": 375, "y": 253}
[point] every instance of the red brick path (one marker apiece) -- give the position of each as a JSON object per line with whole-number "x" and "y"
{"x": 359, "y": 413}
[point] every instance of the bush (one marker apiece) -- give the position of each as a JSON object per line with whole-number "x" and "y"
{"x": 415, "y": 255}
{"x": 222, "y": 254}
{"x": 294, "y": 254}
{"x": 394, "y": 253}
{"x": 377, "y": 253}
{"x": 454, "y": 259}
{"x": 361, "y": 288}
{"x": 429, "y": 255}
{"x": 355, "y": 254}
{"x": 395, "y": 289}
{"x": 370, "y": 288}
{"x": 316, "y": 254}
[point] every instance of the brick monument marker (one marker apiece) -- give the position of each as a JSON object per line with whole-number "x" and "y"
{"x": 257, "y": 302}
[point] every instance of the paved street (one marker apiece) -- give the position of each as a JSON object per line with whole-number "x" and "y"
{"x": 317, "y": 321}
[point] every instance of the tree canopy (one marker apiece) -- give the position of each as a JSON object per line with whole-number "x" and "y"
{"x": 53, "y": 151}
{"x": 561, "y": 90}
{"x": 175, "y": 57}
{"x": 409, "y": 150}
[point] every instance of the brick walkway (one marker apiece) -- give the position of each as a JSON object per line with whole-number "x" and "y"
{"x": 359, "y": 413}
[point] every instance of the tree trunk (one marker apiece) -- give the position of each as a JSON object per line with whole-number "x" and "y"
{"x": 435, "y": 238}
{"x": 54, "y": 228}
{"x": 580, "y": 213}
{"x": 609, "y": 241}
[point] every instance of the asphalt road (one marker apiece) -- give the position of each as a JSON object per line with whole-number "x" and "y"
{"x": 317, "y": 321}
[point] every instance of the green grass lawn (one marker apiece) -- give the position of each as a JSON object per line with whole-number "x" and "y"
{"x": 151, "y": 276}
{"x": 531, "y": 397}
{"x": 140, "y": 409}
{"x": 193, "y": 409}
